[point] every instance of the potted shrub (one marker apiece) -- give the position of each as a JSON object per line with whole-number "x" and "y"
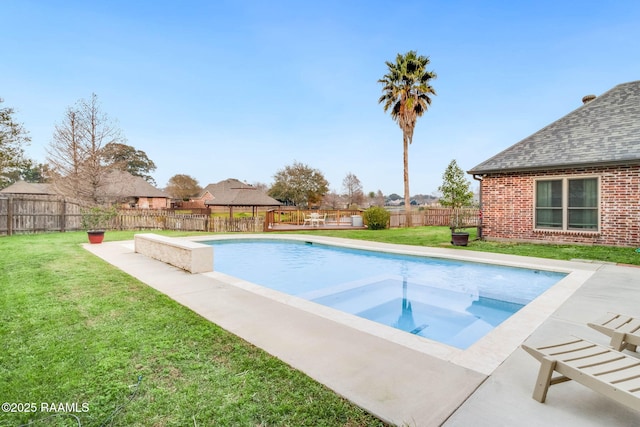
{"x": 456, "y": 193}
{"x": 459, "y": 237}
{"x": 96, "y": 219}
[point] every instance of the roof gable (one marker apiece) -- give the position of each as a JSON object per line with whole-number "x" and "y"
{"x": 603, "y": 131}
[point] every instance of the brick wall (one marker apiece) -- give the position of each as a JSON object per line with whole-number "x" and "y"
{"x": 149, "y": 203}
{"x": 196, "y": 203}
{"x": 508, "y": 207}
{"x": 191, "y": 204}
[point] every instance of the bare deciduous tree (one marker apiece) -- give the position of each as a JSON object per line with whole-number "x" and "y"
{"x": 333, "y": 200}
{"x": 64, "y": 153}
{"x": 353, "y": 189}
{"x": 376, "y": 198}
{"x": 75, "y": 154}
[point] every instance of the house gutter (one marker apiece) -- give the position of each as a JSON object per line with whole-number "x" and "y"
{"x": 479, "y": 179}
{"x": 544, "y": 168}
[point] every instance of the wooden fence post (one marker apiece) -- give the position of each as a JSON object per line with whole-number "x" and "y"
{"x": 63, "y": 215}
{"x": 9, "y": 216}
{"x": 268, "y": 219}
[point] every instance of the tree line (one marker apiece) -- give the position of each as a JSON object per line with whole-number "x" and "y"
{"x": 297, "y": 184}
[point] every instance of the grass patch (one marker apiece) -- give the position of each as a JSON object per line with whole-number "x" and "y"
{"x": 75, "y": 329}
{"x": 441, "y": 237}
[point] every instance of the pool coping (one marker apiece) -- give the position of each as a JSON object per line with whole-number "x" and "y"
{"x": 403, "y": 383}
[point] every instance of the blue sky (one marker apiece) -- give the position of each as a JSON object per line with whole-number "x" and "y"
{"x": 240, "y": 89}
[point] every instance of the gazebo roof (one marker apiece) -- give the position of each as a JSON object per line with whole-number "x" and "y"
{"x": 232, "y": 192}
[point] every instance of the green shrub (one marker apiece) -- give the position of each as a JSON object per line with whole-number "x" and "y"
{"x": 377, "y": 218}
{"x": 98, "y": 217}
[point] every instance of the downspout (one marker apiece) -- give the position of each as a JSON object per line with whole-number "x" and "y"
{"x": 479, "y": 179}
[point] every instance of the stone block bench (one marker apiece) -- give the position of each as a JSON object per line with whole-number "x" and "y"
{"x": 185, "y": 254}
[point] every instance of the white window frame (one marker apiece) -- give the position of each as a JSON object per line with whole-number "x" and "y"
{"x": 565, "y": 203}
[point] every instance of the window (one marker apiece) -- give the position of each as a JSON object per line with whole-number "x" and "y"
{"x": 549, "y": 204}
{"x": 567, "y": 204}
{"x": 582, "y": 209}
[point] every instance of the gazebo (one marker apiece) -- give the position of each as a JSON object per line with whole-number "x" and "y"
{"x": 233, "y": 193}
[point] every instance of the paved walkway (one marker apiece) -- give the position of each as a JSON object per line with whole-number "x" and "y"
{"x": 406, "y": 381}
{"x": 505, "y": 398}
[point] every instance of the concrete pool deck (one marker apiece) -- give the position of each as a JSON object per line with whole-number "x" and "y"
{"x": 403, "y": 379}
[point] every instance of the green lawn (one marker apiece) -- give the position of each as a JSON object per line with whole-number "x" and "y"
{"x": 441, "y": 237}
{"x": 74, "y": 329}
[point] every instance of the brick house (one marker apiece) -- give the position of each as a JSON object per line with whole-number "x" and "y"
{"x": 131, "y": 191}
{"x": 120, "y": 187}
{"x": 575, "y": 181}
{"x": 198, "y": 202}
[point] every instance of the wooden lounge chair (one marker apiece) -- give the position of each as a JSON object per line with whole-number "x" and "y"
{"x": 609, "y": 372}
{"x": 624, "y": 331}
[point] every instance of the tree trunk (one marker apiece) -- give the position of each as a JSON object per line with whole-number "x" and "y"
{"x": 407, "y": 195}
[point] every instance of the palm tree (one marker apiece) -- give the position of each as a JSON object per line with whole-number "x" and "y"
{"x": 406, "y": 93}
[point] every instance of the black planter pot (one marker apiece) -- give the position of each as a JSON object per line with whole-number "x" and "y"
{"x": 459, "y": 238}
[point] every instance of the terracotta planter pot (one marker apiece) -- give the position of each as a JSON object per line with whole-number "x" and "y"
{"x": 95, "y": 236}
{"x": 459, "y": 238}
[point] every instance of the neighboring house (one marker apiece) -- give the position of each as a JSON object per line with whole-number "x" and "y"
{"x": 31, "y": 188}
{"x": 198, "y": 202}
{"x": 132, "y": 191}
{"x": 575, "y": 181}
{"x": 119, "y": 187}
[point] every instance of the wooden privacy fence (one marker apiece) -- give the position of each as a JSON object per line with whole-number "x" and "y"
{"x": 160, "y": 219}
{"x": 32, "y": 214}
{"x": 135, "y": 219}
{"x": 467, "y": 217}
{"x": 36, "y": 214}
{"x": 224, "y": 224}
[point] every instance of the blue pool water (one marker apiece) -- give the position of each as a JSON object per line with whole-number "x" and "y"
{"x": 449, "y": 301}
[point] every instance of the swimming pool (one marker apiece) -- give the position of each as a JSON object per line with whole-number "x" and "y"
{"x": 453, "y": 302}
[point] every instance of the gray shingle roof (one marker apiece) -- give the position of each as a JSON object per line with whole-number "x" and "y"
{"x": 119, "y": 183}
{"x": 603, "y": 131}
{"x": 22, "y": 187}
{"x": 232, "y": 192}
